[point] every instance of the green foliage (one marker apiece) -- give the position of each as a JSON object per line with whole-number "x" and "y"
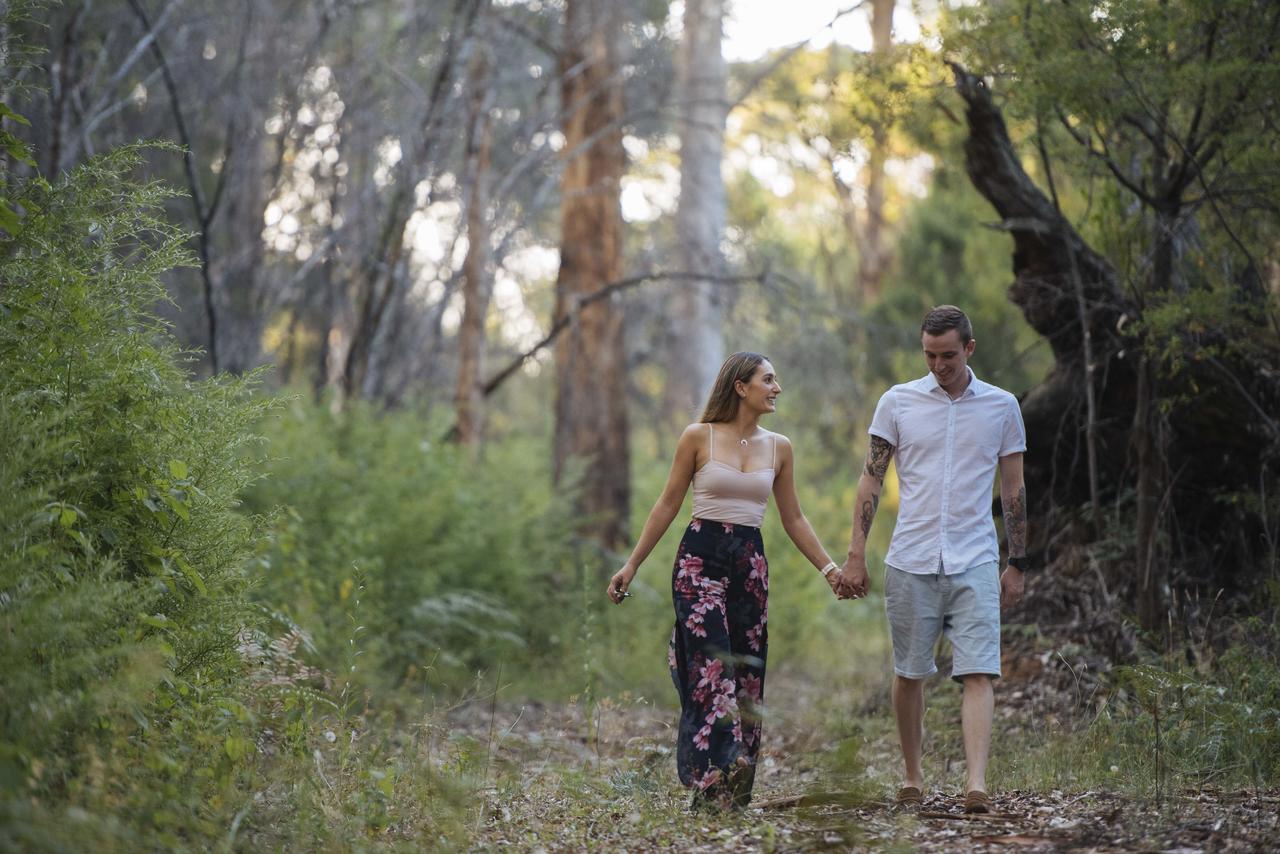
{"x": 1162, "y": 726}
{"x": 1159, "y": 120}
{"x": 1126, "y": 58}
{"x": 947, "y": 256}
{"x": 121, "y": 545}
{"x": 1153, "y": 126}
{"x": 14, "y": 56}
{"x": 1193, "y": 727}
{"x": 467, "y": 562}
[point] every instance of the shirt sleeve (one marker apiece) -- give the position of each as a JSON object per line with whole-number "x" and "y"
{"x": 885, "y": 421}
{"x": 1014, "y": 440}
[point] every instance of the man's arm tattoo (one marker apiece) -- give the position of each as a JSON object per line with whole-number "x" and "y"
{"x": 1015, "y": 521}
{"x": 878, "y": 455}
{"x": 868, "y": 514}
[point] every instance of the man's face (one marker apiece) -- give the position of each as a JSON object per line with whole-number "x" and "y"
{"x": 947, "y": 358}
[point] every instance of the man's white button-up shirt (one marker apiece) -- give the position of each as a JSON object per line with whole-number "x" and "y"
{"x": 946, "y": 453}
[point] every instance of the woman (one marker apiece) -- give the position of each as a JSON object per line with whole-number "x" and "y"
{"x": 720, "y": 582}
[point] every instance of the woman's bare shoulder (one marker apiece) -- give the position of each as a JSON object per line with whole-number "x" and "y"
{"x": 693, "y": 436}
{"x": 697, "y": 429}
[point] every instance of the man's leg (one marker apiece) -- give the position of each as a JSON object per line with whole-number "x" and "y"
{"x": 973, "y": 613}
{"x": 913, "y": 605}
{"x": 976, "y": 711}
{"x": 908, "y": 708}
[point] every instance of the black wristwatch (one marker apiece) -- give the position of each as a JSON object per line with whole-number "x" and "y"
{"x": 1022, "y": 563}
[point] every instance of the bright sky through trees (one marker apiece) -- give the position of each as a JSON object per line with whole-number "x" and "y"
{"x": 755, "y": 27}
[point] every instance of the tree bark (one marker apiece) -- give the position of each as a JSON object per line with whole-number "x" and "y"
{"x": 591, "y": 381}
{"x": 1148, "y": 439}
{"x": 696, "y": 347}
{"x": 477, "y": 283}
{"x": 61, "y": 80}
{"x": 873, "y": 256}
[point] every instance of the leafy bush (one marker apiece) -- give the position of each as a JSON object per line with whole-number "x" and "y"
{"x": 467, "y": 563}
{"x": 121, "y": 545}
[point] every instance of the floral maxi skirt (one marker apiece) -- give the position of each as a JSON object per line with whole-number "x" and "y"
{"x": 720, "y": 587}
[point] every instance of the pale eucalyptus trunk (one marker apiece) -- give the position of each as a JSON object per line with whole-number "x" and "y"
{"x": 698, "y": 308}
{"x": 873, "y": 254}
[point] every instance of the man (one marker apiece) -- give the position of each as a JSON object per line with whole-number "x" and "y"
{"x": 949, "y": 431}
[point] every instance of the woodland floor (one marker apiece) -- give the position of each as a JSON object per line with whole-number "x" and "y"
{"x": 560, "y": 783}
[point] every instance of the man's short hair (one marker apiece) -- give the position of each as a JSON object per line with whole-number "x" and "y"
{"x": 944, "y": 318}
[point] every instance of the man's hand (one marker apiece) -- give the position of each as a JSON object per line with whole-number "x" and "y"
{"x": 838, "y": 586}
{"x": 853, "y": 575}
{"x": 1011, "y": 586}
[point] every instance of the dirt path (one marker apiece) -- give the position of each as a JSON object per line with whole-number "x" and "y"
{"x": 561, "y": 781}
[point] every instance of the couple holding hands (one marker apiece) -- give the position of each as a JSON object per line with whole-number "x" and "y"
{"x": 949, "y": 433}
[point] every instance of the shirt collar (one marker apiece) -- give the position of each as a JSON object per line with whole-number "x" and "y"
{"x": 975, "y": 387}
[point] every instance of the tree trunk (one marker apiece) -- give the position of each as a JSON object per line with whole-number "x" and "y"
{"x": 61, "y": 80}
{"x": 1150, "y": 598}
{"x": 873, "y": 260}
{"x": 1149, "y": 447}
{"x": 697, "y": 312}
{"x": 336, "y": 347}
{"x": 374, "y": 281}
{"x": 591, "y": 380}
{"x": 476, "y": 282}
{"x": 248, "y": 305}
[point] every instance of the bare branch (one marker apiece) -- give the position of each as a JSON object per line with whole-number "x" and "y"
{"x": 193, "y": 181}
{"x": 232, "y": 126}
{"x": 607, "y": 291}
{"x": 150, "y": 34}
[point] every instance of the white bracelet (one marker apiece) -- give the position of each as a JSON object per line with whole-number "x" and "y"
{"x": 826, "y": 570}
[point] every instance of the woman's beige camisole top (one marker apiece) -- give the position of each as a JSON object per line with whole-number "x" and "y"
{"x": 722, "y": 493}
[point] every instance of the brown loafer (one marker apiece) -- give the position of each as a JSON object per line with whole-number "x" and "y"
{"x": 977, "y": 802}
{"x": 908, "y": 797}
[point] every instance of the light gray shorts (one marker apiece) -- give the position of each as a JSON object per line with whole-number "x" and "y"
{"x": 965, "y": 607}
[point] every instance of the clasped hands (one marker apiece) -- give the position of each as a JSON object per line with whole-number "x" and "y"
{"x": 849, "y": 581}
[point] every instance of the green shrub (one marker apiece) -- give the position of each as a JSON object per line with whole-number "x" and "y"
{"x": 1189, "y": 727}
{"x": 466, "y": 563}
{"x": 121, "y": 545}
{"x": 1162, "y": 726}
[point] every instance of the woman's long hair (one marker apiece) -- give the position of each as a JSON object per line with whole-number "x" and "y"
{"x": 722, "y": 404}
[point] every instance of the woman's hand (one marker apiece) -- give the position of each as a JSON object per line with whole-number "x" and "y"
{"x": 837, "y": 584}
{"x": 619, "y": 583}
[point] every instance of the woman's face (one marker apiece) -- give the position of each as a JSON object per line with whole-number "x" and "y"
{"x": 760, "y": 394}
